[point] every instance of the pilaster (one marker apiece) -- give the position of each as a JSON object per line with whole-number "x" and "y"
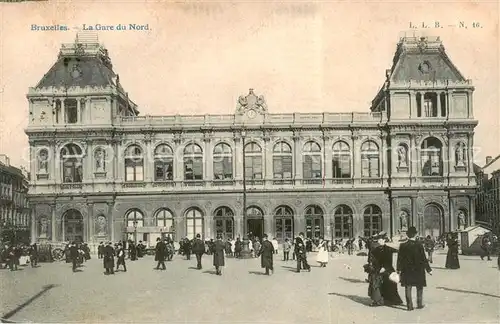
{"x": 327, "y": 157}
{"x": 33, "y": 221}
{"x": 238, "y": 158}
{"x": 178, "y": 163}
{"x": 90, "y": 223}
{"x": 111, "y": 220}
{"x": 413, "y": 104}
{"x": 297, "y": 156}
{"x": 356, "y": 161}
{"x": 79, "y": 110}
{"x": 208, "y": 159}
{"x": 53, "y": 227}
{"x": 267, "y": 159}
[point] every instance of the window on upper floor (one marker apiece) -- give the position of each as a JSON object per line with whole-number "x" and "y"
{"x": 223, "y": 162}
{"x": 71, "y": 111}
{"x": 253, "y": 161}
{"x": 282, "y": 161}
{"x": 134, "y": 164}
{"x": 341, "y": 160}
{"x": 312, "y": 161}
{"x": 193, "y": 162}
{"x": 164, "y": 163}
{"x": 370, "y": 157}
{"x": 72, "y": 163}
{"x": 431, "y": 156}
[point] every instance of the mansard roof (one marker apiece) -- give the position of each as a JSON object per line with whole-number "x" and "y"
{"x": 423, "y": 59}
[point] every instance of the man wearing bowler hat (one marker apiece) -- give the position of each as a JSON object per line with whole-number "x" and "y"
{"x": 412, "y": 265}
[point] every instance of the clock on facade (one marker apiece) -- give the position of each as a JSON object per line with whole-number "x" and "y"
{"x": 76, "y": 73}
{"x": 251, "y": 114}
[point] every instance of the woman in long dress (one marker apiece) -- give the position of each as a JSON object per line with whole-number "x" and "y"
{"x": 322, "y": 257}
{"x": 452, "y": 255}
{"x": 381, "y": 289}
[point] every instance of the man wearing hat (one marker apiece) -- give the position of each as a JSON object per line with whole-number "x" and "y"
{"x": 300, "y": 252}
{"x": 266, "y": 252}
{"x": 160, "y": 254}
{"x": 121, "y": 258}
{"x": 218, "y": 250}
{"x": 109, "y": 258}
{"x": 412, "y": 265}
{"x": 74, "y": 254}
{"x": 198, "y": 250}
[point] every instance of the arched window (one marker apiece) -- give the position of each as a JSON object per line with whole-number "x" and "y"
{"x": 370, "y": 160}
{"x": 254, "y": 212}
{"x": 223, "y": 162}
{"x": 73, "y": 226}
{"x": 283, "y": 216}
{"x": 343, "y": 222}
{"x": 312, "y": 161}
{"x": 253, "y": 161}
{"x": 165, "y": 219}
{"x": 282, "y": 161}
{"x": 134, "y": 164}
{"x": 164, "y": 163}
{"x": 460, "y": 155}
{"x": 372, "y": 218}
{"x": 341, "y": 160}
{"x": 72, "y": 162}
{"x": 314, "y": 222}
{"x": 224, "y": 223}
{"x": 193, "y": 162}
{"x": 135, "y": 218}
{"x": 431, "y": 154}
{"x": 194, "y": 222}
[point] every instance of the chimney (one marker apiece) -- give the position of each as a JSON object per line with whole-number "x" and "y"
{"x": 488, "y": 160}
{"x": 4, "y": 159}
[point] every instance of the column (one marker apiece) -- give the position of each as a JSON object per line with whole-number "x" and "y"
{"x": 148, "y": 161}
{"x": 327, "y": 157}
{"x": 383, "y": 160}
{"x": 118, "y": 161}
{"x": 268, "y": 159}
{"x": 438, "y": 104}
{"x": 178, "y": 163}
{"x": 356, "y": 154}
{"x": 53, "y": 237}
{"x": 268, "y": 226}
{"x": 469, "y": 106}
{"x": 470, "y": 162}
{"x": 238, "y": 228}
{"x": 34, "y": 230}
{"x": 297, "y": 156}
{"x": 414, "y": 157}
{"x": 208, "y": 224}
{"x": 79, "y": 110}
{"x": 90, "y": 222}
{"x": 88, "y": 158}
{"x": 208, "y": 161}
{"x": 54, "y": 163}
{"x": 447, "y": 164}
{"x": 52, "y": 102}
{"x": 111, "y": 222}
{"x": 63, "y": 112}
{"x": 238, "y": 159}
{"x": 450, "y": 103}
{"x": 414, "y": 213}
{"x": 413, "y": 104}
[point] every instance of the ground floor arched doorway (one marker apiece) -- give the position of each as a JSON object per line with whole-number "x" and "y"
{"x": 254, "y": 222}
{"x": 72, "y": 226}
{"x": 433, "y": 221}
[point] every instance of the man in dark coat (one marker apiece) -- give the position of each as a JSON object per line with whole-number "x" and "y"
{"x": 132, "y": 250}
{"x": 74, "y": 255}
{"x": 266, "y": 253}
{"x": 160, "y": 254}
{"x": 109, "y": 258}
{"x": 218, "y": 251}
{"x": 198, "y": 250}
{"x": 412, "y": 264}
{"x": 300, "y": 252}
{"x": 34, "y": 255}
{"x": 140, "y": 250}
{"x": 238, "y": 246}
{"x": 187, "y": 248}
{"x": 100, "y": 250}
{"x": 120, "y": 258}
{"x": 486, "y": 247}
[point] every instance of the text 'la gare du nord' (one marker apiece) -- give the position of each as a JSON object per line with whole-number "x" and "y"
{"x": 116, "y": 27}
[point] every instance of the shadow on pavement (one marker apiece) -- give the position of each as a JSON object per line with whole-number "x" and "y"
{"x": 212, "y": 272}
{"x": 13, "y": 312}
{"x": 358, "y": 299}
{"x": 258, "y": 273}
{"x": 468, "y": 292}
{"x": 192, "y": 268}
{"x": 351, "y": 280}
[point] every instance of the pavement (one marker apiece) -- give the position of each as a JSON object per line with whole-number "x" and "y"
{"x": 182, "y": 294}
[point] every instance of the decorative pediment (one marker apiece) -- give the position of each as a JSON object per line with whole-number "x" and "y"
{"x": 251, "y": 105}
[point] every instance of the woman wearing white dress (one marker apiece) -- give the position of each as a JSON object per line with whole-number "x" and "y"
{"x": 322, "y": 257}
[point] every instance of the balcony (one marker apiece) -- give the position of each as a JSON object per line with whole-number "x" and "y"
{"x": 312, "y": 181}
{"x": 223, "y": 183}
{"x": 376, "y": 181}
{"x": 71, "y": 186}
{"x": 280, "y": 182}
{"x": 134, "y": 184}
{"x": 432, "y": 179}
{"x": 342, "y": 181}
{"x": 252, "y": 182}
{"x": 193, "y": 183}
{"x": 163, "y": 184}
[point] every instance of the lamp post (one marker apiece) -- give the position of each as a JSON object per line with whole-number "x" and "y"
{"x": 135, "y": 231}
{"x": 331, "y": 234}
{"x": 349, "y": 224}
{"x": 245, "y": 253}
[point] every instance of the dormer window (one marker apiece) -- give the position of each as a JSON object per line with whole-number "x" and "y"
{"x": 71, "y": 111}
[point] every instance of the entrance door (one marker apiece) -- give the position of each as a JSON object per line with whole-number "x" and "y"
{"x": 255, "y": 227}
{"x": 433, "y": 221}
{"x": 73, "y": 226}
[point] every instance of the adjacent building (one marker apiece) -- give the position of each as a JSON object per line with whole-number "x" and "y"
{"x": 488, "y": 193}
{"x": 15, "y": 214}
{"x": 101, "y": 171}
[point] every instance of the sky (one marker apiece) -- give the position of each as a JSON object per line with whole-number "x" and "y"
{"x": 199, "y": 57}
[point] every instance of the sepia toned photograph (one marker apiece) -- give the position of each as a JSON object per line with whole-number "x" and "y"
{"x": 249, "y": 162}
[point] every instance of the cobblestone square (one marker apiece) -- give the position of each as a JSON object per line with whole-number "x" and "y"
{"x": 336, "y": 294}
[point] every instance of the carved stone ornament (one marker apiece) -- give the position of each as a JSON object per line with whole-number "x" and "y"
{"x": 298, "y": 202}
{"x": 208, "y": 205}
{"x": 101, "y": 223}
{"x": 251, "y": 102}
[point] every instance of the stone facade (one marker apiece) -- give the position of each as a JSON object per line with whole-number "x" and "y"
{"x": 102, "y": 172}
{"x": 488, "y": 194}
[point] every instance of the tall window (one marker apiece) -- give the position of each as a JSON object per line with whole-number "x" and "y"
{"x": 165, "y": 219}
{"x": 253, "y": 161}
{"x": 194, "y": 223}
{"x": 283, "y": 216}
{"x": 224, "y": 223}
{"x": 71, "y": 111}
{"x": 135, "y": 218}
{"x": 341, "y": 160}
{"x": 134, "y": 164}
{"x": 193, "y": 162}
{"x": 431, "y": 154}
{"x": 430, "y": 105}
{"x": 372, "y": 218}
{"x": 312, "y": 161}
{"x": 314, "y": 222}
{"x": 223, "y": 162}
{"x": 370, "y": 160}
{"x": 282, "y": 161}
{"x": 164, "y": 163}
{"x": 72, "y": 161}
{"x": 343, "y": 222}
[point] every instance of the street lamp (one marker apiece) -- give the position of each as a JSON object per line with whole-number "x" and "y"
{"x": 349, "y": 224}
{"x": 243, "y": 134}
{"x": 135, "y": 231}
